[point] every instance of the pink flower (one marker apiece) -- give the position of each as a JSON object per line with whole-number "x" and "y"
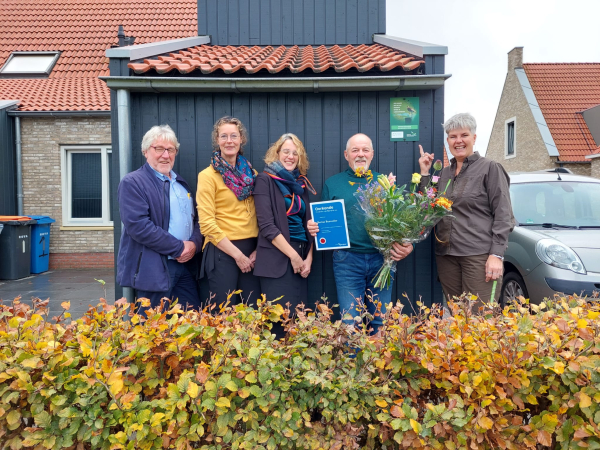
{"x": 430, "y": 193}
{"x": 391, "y": 178}
{"x": 435, "y": 179}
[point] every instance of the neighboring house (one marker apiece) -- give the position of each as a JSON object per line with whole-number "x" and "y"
{"x": 323, "y": 70}
{"x": 548, "y": 117}
{"x": 51, "y": 55}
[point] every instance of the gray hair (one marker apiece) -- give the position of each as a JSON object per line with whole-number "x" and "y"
{"x": 162, "y": 132}
{"x": 461, "y": 120}
{"x": 358, "y": 134}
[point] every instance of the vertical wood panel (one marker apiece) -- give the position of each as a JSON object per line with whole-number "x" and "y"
{"x": 277, "y": 113}
{"x": 363, "y": 35}
{"x": 330, "y": 18}
{"x": 233, "y": 25}
{"x": 381, "y": 22}
{"x": 287, "y": 22}
{"x": 350, "y": 116}
{"x": 340, "y": 22}
{"x": 319, "y": 19}
{"x": 244, "y": 11}
{"x": 221, "y": 105}
{"x": 254, "y": 23}
{"x": 276, "y": 33}
{"x": 222, "y": 22}
{"x": 265, "y": 22}
{"x": 295, "y": 115}
{"x": 201, "y": 12}
{"x": 309, "y": 21}
{"x": 298, "y": 11}
{"x": 212, "y": 21}
{"x": 8, "y": 181}
{"x": 241, "y": 110}
{"x": 186, "y": 124}
{"x": 259, "y": 127}
{"x": 352, "y": 22}
{"x": 204, "y": 121}
{"x": 373, "y": 17}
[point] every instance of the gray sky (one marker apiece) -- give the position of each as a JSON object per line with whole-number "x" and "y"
{"x": 480, "y": 33}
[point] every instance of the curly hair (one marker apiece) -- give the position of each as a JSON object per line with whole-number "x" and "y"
{"x": 233, "y": 121}
{"x": 273, "y": 152}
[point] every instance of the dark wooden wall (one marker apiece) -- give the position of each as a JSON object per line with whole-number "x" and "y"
{"x": 291, "y": 22}
{"x": 324, "y": 122}
{"x": 8, "y": 169}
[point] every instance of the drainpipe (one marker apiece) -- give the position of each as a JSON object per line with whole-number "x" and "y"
{"x": 124, "y": 131}
{"x": 19, "y": 166}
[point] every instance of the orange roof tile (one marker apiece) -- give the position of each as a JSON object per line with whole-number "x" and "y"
{"x": 82, "y": 30}
{"x": 563, "y": 91}
{"x": 207, "y": 59}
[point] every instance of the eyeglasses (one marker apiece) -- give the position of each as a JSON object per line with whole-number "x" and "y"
{"x": 225, "y": 137}
{"x": 160, "y": 150}
{"x": 288, "y": 152}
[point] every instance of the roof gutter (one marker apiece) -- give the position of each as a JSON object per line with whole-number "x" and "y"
{"x": 308, "y": 84}
{"x": 58, "y": 113}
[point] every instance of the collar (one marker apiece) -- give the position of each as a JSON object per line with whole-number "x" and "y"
{"x": 163, "y": 177}
{"x": 469, "y": 159}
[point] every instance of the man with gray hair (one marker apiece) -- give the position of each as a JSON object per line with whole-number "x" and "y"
{"x": 160, "y": 233}
{"x": 470, "y": 247}
{"x": 355, "y": 268}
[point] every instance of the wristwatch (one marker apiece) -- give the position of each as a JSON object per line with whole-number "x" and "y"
{"x": 501, "y": 258}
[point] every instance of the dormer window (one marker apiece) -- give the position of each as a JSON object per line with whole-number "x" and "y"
{"x": 29, "y": 64}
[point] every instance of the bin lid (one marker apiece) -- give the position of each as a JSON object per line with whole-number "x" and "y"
{"x": 41, "y": 220}
{"x": 17, "y": 220}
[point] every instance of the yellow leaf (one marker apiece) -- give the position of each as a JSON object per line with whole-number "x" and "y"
{"x": 192, "y": 390}
{"x": 223, "y": 402}
{"x": 477, "y": 380}
{"x": 485, "y": 422}
{"x": 65, "y": 305}
{"x": 416, "y": 426}
{"x": 582, "y": 323}
{"x": 584, "y": 400}
{"x": 231, "y": 386}
{"x": 381, "y": 403}
{"x": 115, "y": 382}
{"x": 352, "y": 183}
{"x": 593, "y": 314}
{"x": 559, "y": 367}
{"x": 531, "y": 399}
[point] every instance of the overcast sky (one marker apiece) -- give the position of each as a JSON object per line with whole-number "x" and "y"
{"x": 480, "y": 33}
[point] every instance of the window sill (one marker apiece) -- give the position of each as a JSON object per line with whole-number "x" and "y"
{"x": 90, "y": 228}
{"x": 510, "y": 157}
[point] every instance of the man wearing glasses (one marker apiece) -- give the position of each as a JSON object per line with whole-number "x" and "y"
{"x": 160, "y": 225}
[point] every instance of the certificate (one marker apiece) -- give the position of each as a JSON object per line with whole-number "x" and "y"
{"x": 333, "y": 228}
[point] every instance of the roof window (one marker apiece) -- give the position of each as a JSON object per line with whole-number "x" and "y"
{"x": 29, "y": 64}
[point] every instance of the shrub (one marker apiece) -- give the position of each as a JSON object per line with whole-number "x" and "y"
{"x": 218, "y": 379}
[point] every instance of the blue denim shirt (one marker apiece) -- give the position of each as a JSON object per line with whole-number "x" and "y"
{"x": 181, "y": 218}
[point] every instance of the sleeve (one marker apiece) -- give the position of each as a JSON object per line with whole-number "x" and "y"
{"x": 264, "y": 210}
{"x": 501, "y": 208}
{"x": 205, "y": 201}
{"x": 423, "y": 183}
{"x": 135, "y": 215}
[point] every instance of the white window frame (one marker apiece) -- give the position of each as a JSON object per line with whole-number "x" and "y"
{"x": 33, "y": 74}
{"x": 506, "y": 122}
{"x": 65, "y": 154}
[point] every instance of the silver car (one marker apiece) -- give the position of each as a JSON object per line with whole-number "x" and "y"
{"x": 555, "y": 248}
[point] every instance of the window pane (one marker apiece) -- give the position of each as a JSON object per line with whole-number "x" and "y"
{"x": 109, "y": 157}
{"x": 28, "y": 63}
{"x": 510, "y": 138}
{"x": 86, "y": 185}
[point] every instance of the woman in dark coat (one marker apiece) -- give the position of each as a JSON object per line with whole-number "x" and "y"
{"x": 285, "y": 248}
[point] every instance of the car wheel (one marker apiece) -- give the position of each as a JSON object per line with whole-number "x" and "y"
{"x": 512, "y": 286}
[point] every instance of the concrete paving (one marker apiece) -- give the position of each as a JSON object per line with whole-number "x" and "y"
{"x": 79, "y": 286}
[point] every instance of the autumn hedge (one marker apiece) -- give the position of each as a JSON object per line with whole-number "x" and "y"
{"x": 218, "y": 379}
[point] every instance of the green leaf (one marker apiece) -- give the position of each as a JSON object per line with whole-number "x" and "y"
{"x": 43, "y": 419}
{"x": 13, "y": 417}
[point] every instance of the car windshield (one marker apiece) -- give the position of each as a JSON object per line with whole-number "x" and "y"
{"x": 566, "y": 203}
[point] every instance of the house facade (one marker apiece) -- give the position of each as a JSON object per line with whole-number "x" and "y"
{"x": 322, "y": 70}
{"x": 56, "y": 144}
{"x": 548, "y": 117}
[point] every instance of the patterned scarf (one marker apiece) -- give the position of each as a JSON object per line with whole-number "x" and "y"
{"x": 240, "y": 179}
{"x": 291, "y": 184}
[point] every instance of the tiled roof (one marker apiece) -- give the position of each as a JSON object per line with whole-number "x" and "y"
{"x": 207, "y": 59}
{"x": 563, "y": 91}
{"x": 82, "y": 30}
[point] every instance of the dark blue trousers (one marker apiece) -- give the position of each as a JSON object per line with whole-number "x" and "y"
{"x": 183, "y": 287}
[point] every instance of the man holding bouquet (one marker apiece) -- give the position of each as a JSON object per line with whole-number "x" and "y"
{"x": 355, "y": 268}
{"x": 470, "y": 247}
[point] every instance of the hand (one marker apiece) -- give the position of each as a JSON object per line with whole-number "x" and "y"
{"x": 297, "y": 263}
{"x": 425, "y": 161}
{"x": 493, "y": 268}
{"x": 244, "y": 263}
{"x": 189, "y": 250}
{"x": 307, "y": 264}
{"x": 400, "y": 251}
{"x": 252, "y": 258}
{"x": 313, "y": 227}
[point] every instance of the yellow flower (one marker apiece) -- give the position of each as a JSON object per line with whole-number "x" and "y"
{"x": 416, "y": 178}
{"x": 444, "y": 203}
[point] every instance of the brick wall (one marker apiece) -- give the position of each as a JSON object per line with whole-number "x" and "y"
{"x": 42, "y": 190}
{"x": 530, "y": 151}
{"x": 595, "y": 172}
{"x": 80, "y": 260}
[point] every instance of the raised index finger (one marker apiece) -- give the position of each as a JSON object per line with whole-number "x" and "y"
{"x": 421, "y": 150}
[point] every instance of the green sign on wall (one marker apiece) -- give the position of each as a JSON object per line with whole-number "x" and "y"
{"x": 404, "y": 119}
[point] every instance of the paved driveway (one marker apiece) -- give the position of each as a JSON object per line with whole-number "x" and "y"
{"x": 77, "y": 286}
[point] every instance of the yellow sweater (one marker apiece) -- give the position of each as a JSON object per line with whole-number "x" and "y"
{"x": 221, "y": 213}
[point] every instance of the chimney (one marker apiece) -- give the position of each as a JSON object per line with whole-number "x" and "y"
{"x": 124, "y": 40}
{"x": 515, "y": 58}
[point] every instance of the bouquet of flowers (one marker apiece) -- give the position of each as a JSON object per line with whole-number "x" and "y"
{"x": 394, "y": 214}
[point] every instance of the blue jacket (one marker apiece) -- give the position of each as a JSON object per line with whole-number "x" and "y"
{"x": 145, "y": 242}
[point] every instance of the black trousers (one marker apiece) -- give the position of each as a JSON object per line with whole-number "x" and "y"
{"x": 224, "y": 275}
{"x": 292, "y": 286}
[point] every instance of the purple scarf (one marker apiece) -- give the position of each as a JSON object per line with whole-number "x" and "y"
{"x": 240, "y": 179}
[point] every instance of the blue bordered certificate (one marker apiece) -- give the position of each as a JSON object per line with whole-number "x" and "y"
{"x": 333, "y": 227}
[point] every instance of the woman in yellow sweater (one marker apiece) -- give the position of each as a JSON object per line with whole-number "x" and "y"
{"x": 227, "y": 215}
